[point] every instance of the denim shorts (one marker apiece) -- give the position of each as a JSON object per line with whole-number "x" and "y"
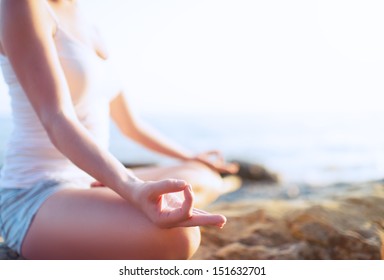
{"x": 18, "y": 208}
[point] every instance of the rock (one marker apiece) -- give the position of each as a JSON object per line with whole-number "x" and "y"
{"x": 332, "y": 225}
{"x": 240, "y": 251}
{"x": 6, "y": 253}
{"x": 138, "y": 164}
{"x": 255, "y": 172}
{"x": 331, "y": 230}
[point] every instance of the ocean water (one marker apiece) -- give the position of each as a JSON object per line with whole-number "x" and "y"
{"x": 303, "y": 148}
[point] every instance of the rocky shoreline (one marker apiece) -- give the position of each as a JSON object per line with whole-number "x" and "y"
{"x": 268, "y": 219}
{"x": 285, "y": 222}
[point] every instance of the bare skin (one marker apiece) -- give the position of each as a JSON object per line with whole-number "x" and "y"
{"x": 138, "y": 215}
{"x": 206, "y": 183}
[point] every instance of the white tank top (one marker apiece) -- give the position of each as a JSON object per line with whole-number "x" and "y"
{"x": 30, "y": 156}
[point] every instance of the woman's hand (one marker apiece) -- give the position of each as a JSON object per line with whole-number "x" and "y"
{"x": 215, "y": 160}
{"x": 169, "y": 203}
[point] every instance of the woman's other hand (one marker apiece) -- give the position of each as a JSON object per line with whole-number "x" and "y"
{"x": 215, "y": 160}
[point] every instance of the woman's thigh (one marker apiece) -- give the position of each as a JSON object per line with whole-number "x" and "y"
{"x": 204, "y": 181}
{"x": 98, "y": 224}
{"x": 191, "y": 171}
{"x": 207, "y": 184}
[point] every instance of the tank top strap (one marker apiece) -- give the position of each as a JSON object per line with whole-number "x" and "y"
{"x": 53, "y": 15}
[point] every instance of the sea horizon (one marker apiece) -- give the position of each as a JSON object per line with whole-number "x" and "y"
{"x": 315, "y": 148}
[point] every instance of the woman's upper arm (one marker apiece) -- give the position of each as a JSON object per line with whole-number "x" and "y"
{"x": 26, "y": 35}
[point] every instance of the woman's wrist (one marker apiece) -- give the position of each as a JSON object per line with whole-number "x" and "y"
{"x": 129, "y": 185}
{"x": 187, "y": 156}
{"x": 194, "y": 157}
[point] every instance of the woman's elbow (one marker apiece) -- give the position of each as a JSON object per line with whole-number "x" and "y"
{"x": 54, "y": 122}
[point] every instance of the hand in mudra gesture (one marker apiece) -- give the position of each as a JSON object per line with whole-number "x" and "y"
{"x": 215, "y": 160}
{"x": 163, "y": 204}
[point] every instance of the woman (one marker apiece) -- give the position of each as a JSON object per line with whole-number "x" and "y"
{"x": 62, "y": 91}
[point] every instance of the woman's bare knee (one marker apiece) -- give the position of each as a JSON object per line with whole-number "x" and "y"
{"x": 181, "y": 243}
{"x": 203, "y": 174}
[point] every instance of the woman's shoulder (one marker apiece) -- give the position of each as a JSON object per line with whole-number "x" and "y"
{"x": 19, "y": 17}
{"x": 23, "y": 7}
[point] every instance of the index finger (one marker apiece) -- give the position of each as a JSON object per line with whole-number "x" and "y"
{"x": 170, "y": 218}
{"x": 166, "y": 186}
{"x": 202, "y": 218}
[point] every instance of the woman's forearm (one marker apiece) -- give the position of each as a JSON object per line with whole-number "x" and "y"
{"x": 75, "y": 142}
{"x": 154, "y": 140}
{"x": 136, "y": 129}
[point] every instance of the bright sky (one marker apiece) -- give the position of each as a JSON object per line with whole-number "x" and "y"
{"x": 245, "y": 55}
